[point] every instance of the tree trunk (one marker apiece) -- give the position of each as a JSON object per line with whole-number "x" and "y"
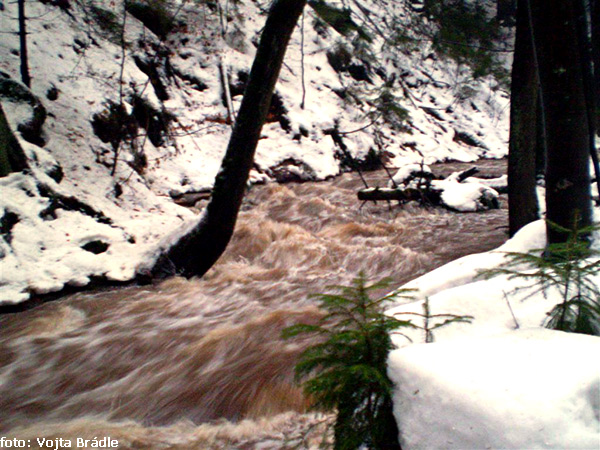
{"x": 505, "y": 11}
{"x": 25, "y": 77}
{"x": 595, "y": 16}
{"x": 12, "y": 158}
{"x": 522, "y": 197}
{"x": 567, "y": 175}
{"x": 585, "y": 45}
{"x": 196, "y": 252}
{"x": 540, "y": 138}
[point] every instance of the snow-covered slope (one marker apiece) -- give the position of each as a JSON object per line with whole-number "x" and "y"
{"x": 174, "y": 124}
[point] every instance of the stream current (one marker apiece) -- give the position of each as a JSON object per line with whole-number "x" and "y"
{"x": 200, "y": 363}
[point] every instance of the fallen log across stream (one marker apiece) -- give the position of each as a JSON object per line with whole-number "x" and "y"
{"x": 400, "y": 194}
{"x": 454, "y": 192}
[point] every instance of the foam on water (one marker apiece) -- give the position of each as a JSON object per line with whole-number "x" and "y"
{"x": 161, "y": 365}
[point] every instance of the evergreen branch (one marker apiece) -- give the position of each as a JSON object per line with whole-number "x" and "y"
{"x": 569, "y": 268}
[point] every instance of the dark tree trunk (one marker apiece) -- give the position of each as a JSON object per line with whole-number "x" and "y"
{"x": 522, "y": 197}
{"x": 595, "y": 16}
{"x": 562, "y": 84}
{"x": 429, "y": 6}
{"x": 506, "y": 11}
{"x": 196, "y": 252}
{"x": 540, "y": 139}
{"x": 23, "y": 40}
{"x": 12, "y": 158}
{"x": 585, "y": 45}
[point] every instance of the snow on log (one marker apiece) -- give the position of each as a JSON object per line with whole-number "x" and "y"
{"x": 418, "y": 184}
{"x": 466, "y": 197}
{"x": 408, "y": 173}
{"x": 499, "y": 184}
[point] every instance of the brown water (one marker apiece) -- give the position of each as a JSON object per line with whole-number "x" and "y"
{"x": 162, "y": 366}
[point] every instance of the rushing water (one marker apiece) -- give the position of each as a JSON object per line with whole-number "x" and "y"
{"x": 163, "y": 366}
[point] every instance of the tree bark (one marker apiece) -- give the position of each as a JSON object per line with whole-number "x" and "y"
{"x": 505, "y": 11}
{"x": 585, "y": 45}
{"x": 522, "y": 197}
{"x": 595, "y": 21}
{"x": 12, "y": 157}
{"x": 196, "y": 252}
{"x": 462, "y": 176}
{"x": 540, "y": 138}
{"x": 568, "y": 198}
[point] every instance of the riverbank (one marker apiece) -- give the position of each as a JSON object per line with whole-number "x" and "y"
{"x": 160, "y": 356}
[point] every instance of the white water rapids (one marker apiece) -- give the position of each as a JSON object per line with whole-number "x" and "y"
{"x": 200, "y": 363}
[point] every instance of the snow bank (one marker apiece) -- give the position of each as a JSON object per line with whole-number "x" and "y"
{"x": 462, "y": 271}
{"x": 526, "y": 389}
{"x": 501, "y": 381}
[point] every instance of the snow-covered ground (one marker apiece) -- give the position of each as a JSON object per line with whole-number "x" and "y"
{"x": 502, "y": 381}
{"x": 480, "y": 385}
{"x": 76, "y": 64}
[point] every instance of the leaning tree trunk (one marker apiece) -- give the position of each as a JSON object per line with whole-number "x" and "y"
{"x": 196, "y": 252}
{"x": 562, "y": 83}
{"x": 12, "y": 157}
{"x": 522, "y": 196}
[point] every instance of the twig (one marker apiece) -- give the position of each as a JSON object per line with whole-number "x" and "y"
{"x": 511, "y": 310}
{"x": 344, "y": 133}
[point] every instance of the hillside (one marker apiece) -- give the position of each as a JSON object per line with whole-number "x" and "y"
{"x": 137, "y": 113}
